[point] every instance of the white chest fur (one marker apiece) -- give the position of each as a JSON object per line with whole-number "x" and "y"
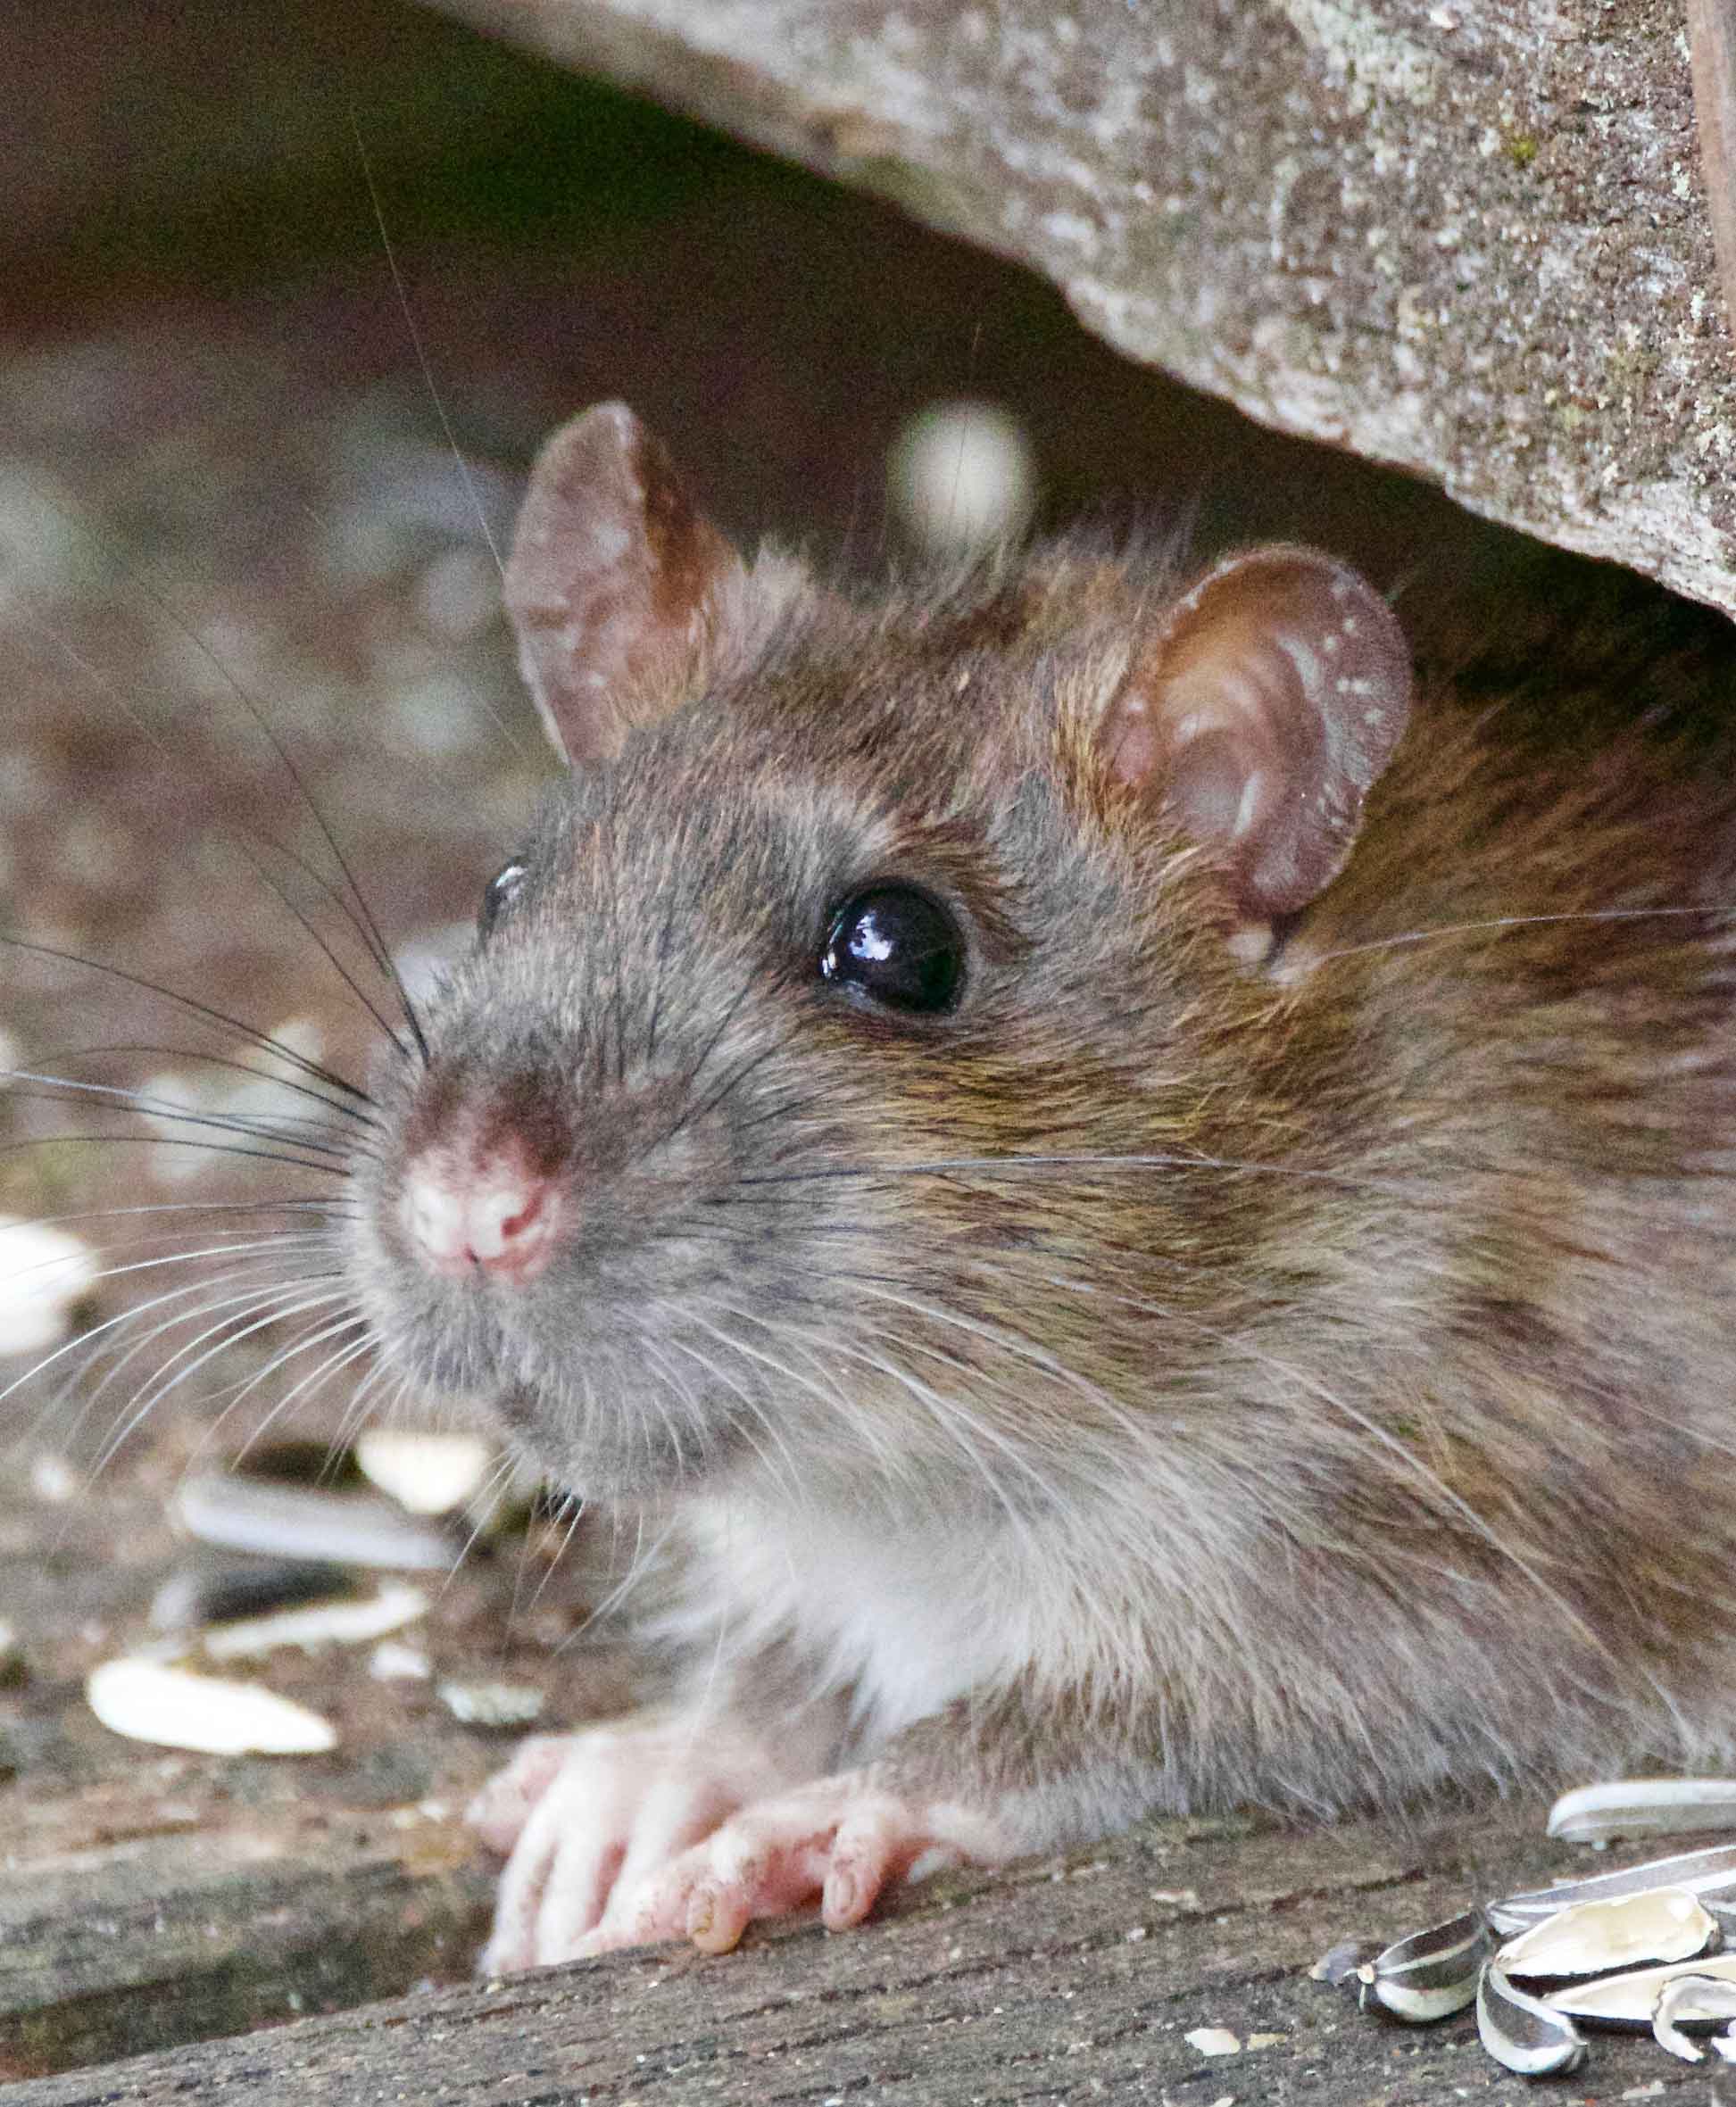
{"x": 908, "y": 1616}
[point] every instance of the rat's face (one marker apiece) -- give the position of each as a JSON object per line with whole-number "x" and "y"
{"x": 671, "y": 1189}
{"x": 762, "y": 1131}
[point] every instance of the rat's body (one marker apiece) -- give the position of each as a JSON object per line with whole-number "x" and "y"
{"x": 1240, "y": 1324}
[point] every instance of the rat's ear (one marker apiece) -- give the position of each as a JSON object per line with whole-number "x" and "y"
{"x": 615, "y": 585}
{"x": 1261, "y": 711}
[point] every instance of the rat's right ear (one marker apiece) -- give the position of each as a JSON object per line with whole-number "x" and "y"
{"x": 616, "y": 585}
{"x": 1259, "y": 713}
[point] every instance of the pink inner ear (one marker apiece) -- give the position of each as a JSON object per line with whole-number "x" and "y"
{"x": 613, "y": 579}
{"x": 1260, "y": 714}
{"x": 1215, "y": 787}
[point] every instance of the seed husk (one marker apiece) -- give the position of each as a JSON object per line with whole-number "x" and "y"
{"x": 1701, "y": 1998}
{"x": 152, "y": 1701}
{"x": 1521, "y": 2032}
{"x": 1630, "y": 1999}
{"x": 1706, "y": 1875}
{"x": 322, "y": 1623}
{"x": 1338, "y": 1964}
{"x": 426, "y": 1473}
{"x": 198, "y": 1596}
{"x": 492, "y": 1705}
{"x": 1643, "y": 1807}
{"x": 1658, "y": 1925}
{"x": 1429, "y": 1975}
{"x": 293, "y": 1521}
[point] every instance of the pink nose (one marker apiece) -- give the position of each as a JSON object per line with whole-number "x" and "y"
{"x": 495, "y": 1217}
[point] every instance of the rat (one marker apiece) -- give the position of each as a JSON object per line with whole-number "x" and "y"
{"x": 1135, "y": 1213}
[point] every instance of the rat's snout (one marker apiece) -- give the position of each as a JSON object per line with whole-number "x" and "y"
{"x": 496, "y": 1215}
{"x": 485, "y": 1186}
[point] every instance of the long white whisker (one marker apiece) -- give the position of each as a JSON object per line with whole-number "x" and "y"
{"x": 153, "y": 1393}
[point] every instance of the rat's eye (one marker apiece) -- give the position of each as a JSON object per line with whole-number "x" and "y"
{"x": 898, "y": 946}
{"x": 504, "y": 888}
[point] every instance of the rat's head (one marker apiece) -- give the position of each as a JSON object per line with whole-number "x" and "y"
{"x": 778, "y": 1121}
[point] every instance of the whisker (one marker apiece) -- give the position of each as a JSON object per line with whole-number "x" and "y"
{"x": 434, "y": 395}
{"x": 303, "y": 1384}
{"x": 111, "y": 1140}
{"x": 193, "y": 1007}
{"x": 86, "y": 1342}
{"x": 152, "y": 1393}
{"x": 205, "y": 1059}
{"x": 1496, "y": 923}
{"x": 354, "y": 908}
{"x": 291, "y": 1129}
{"x": 247, "y": 1300}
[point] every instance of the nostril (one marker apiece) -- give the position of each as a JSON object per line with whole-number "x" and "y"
{"x": 504, "y": 1216}
{"x": 493, "y": 1217}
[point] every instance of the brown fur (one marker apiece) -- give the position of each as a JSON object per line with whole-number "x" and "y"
{"x": 1323, "y": 1367}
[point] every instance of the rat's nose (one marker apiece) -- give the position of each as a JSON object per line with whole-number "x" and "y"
{"x": 497, "y": 1216}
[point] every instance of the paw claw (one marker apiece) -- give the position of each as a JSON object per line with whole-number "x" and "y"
{"x": 715, "y": 1919}
{"x": 630, "y": 1837}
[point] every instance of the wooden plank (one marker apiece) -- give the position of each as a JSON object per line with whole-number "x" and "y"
{"x": 1074, "y": 1981}
{"x": 149, "y": 1896}
{"x": 161, "y": 1940}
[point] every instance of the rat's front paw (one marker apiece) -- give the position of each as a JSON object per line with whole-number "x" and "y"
{"x": 590, "y": 1817}
{"x": 840, "y": 1841}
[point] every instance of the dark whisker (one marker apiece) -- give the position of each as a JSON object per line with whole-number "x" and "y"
{"x": 250, "y": 1032}
{"x": 293, "y": 1131}
{"x": 355, "y": 908}
{"x": 115, "y": 1140}
{"x": 60, "y": 1055}
{"x": 732, "y": 1082}
{"x": 238, "y": 840}
{"x": 712, "y": 1043}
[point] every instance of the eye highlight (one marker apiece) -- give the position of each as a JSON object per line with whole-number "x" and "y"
{"x": 898, "y": 946}
{"x": 501, "y": 890}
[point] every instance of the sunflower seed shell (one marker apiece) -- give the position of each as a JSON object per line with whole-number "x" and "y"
{"x": 1629, "y": 1999}
{"x": 320, "y": 1624}
{"x": 151, "y": 1700}
{"x": 292, "y": 1521}
{"x": 1429, "y": 1975}
{"x": 1659, "y": 1925}
{"x": 1643, "y": 1807}
{"x": 1706, "y": 1875}
{"x": 1521, "y": 2032}
{"x": 200, "y": 1596}
{"x": 426, "y": 1473}
{"x": 1701, "y": 1998}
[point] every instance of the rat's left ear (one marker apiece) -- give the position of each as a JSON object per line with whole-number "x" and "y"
{"x": 1260, "y": 713}
{"x": 618, "y": 586}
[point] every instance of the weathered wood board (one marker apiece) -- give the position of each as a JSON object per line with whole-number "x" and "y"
{"x": 1068, "y": 1983}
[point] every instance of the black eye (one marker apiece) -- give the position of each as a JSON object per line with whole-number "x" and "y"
{"x": 897, "y": 947}
{"x": 503, "y": 890}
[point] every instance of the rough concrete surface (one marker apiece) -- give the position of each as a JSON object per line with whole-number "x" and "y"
{"x": 1467, "y": 239}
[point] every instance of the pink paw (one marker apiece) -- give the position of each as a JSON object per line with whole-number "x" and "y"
{"x": 838, "y": 1841}
{"x": 586, "y": 1816}
{"x": 627, "y": 1835}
